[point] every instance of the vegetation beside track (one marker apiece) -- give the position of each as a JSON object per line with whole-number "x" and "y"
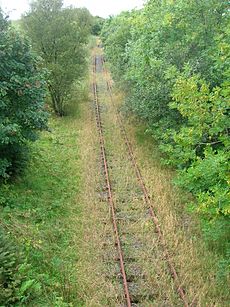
{"x": 172, "y": 61}
{"x": 201, "y": 276}
{"x": 174, "y": 69}
{"x": 63, "y": 48}
{"x": 102, "y": 285}
{"x": 37, "y": 200}
{"x": 40, "y": 214}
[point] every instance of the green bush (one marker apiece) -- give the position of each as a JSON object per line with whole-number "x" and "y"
{"x": 15, "y": 286}
{"x": 97, "y": 25}
{"x": 22, "y": 93}
{"x": 173, "y": 60}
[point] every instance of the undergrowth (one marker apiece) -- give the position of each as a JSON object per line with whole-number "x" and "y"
{"x": 36, "y": 217}
{"x": 213, "y": 237}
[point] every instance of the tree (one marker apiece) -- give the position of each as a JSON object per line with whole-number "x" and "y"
{"x": 22, "y": 93}
{"x": 174, "y": 61}
{"x": 116, "y": 34}
{"x": 59, "y": 35}
{"x": 97, "y": 25}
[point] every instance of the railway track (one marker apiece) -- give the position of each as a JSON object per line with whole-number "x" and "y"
{"x": 108, "y": 187}
{"x": 119, "y": 229}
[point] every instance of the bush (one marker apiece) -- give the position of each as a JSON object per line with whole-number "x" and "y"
{"x": 174, "y": 59}
{"x": 22, "y": 93}
{"x": 15, "y": 286}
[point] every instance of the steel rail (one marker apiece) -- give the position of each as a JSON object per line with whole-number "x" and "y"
{"x": 173, "y": 272}
{"x": 108, "y": 186}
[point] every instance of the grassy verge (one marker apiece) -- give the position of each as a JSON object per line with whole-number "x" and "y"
{"x": 197, "y": 264}
{"x": 38, "y": 213}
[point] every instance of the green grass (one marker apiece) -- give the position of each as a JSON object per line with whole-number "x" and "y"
{"x": 37, "y": 212}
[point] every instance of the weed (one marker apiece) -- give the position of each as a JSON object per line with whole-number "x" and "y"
{"x": 37, "y": 210}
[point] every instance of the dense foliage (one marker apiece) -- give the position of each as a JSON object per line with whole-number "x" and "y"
{"x": 22, "y": 92}
{"x": 39, "y": 215}
{"x": 16, "y": 287}
{"x": 59, "y": 35}
{"x": 97, "y": 25}
{"x": 173, "y": 60}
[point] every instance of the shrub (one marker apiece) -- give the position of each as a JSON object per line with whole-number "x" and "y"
{"x": 15, "y": 286}
{"x": 174, "y": 59}
{"x": 22, "y": 93}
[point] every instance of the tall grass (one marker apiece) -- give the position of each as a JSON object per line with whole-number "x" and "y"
{"x": 36, "y": 211}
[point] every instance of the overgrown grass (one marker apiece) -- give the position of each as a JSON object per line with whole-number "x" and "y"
{"x": 205, "y": 275}
{"x": 195, "y": 263}
{"x": 37, "y": 212}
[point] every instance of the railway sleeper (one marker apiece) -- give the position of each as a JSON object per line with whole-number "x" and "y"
{"x": 103, "y": 196}
{"x": 134, "y": 272}
{"x": 139, "y": 293}
{"x": 127, "y": 218}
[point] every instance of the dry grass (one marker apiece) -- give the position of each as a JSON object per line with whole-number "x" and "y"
{"x": 96, "y": 246}
{"x": 138, "y": 237}
{"x": 98, "y": 272}
{"x": 195, "y": 264}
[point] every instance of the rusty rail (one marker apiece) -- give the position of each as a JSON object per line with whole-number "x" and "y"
{"x": 173, "y": 272}
{"x": 108, "y": 186}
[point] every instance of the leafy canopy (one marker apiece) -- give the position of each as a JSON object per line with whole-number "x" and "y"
{"x": 59, "y": 35}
